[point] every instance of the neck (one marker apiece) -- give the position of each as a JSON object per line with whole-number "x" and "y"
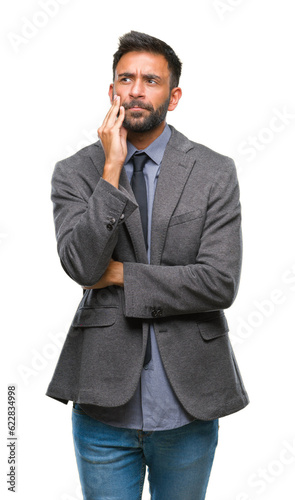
{"x": 142, "y": 140}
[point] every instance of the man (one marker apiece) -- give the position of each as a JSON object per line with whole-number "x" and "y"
{"x": 148, "y": 223}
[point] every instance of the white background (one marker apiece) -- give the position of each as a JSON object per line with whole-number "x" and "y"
{"x": 238, "y": 88}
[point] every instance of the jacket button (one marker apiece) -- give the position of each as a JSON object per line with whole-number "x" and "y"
{"x": 112, "y": 220}
{"x": 154, "y": 312}
{"x": 109, "y": 226}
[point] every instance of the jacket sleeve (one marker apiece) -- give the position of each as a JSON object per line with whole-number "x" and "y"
{"x": 211, "y": 282}
{"x": 86, "y": 227}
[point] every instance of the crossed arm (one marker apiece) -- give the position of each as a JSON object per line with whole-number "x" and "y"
{"x": 114, "y": 275}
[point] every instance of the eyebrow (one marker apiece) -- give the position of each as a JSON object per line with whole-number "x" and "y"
{"x": 147, "y": 76}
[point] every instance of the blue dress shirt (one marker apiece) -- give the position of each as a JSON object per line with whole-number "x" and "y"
{"x": 154, "y": 406}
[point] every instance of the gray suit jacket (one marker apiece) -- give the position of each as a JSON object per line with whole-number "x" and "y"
{"x": 193, "y": 275}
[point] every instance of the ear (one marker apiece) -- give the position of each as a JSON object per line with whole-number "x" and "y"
{"x": 176, "y": 94}
{"x": 111, "y": 92}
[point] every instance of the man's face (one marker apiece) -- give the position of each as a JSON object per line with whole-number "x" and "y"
{"x": 142, "y": 80}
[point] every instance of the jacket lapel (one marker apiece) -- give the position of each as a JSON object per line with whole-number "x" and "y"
{"x": 175, "y": 169}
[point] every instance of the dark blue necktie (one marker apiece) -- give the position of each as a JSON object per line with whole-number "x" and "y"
{"x": 139, "y": 190}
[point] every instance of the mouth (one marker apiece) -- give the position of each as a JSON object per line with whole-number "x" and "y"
{"x": 136, "y": 108}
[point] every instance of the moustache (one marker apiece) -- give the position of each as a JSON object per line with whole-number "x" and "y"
{"x": 138, "y": 103}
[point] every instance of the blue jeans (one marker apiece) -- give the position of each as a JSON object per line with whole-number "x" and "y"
{"x": 112, "y": 461}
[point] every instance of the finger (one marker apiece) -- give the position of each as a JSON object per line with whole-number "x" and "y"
{"x": 113, "y": 112}
{"x": 121, "y": 117}
{"x": 107, "y": 116}
{"x": 106, "y": 119}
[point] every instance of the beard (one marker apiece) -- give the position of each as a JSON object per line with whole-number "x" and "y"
{"x": 151, "y": 121}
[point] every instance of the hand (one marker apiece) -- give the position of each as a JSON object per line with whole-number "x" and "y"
{"x": 113, "y": 138}
{"x": 113, "y": 275}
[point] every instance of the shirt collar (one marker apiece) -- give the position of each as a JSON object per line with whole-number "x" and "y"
{"x": 155, "y": 150}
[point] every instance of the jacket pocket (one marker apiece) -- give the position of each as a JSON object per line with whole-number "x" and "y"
{"x": 95, "y": 316}
{"x": 214, "y": 327}
{"x": 187, "y": 216}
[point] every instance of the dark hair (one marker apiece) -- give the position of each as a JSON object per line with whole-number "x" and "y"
{"x": 140, "y": 42}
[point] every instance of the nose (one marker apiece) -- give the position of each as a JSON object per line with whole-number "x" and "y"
{"x": 137, "y": 89}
